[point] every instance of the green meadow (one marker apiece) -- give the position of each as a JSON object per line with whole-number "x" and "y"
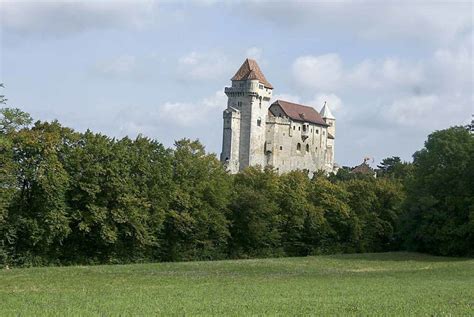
{"x": 354, "y": 284}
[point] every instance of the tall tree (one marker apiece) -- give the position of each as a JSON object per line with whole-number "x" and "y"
{"x": 440, "y": 203}
{"x": 196, "y": 223}
{"x": 255, "y": 217}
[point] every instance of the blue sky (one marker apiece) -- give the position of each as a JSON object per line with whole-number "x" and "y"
{"x": 392, "y": 72}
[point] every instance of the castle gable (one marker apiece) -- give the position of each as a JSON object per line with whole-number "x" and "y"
{"x": 250, "y": 70}
{"x": 298, "y": 112}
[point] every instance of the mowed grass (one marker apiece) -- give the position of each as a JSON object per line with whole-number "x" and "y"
{"x": 375, "y": 284}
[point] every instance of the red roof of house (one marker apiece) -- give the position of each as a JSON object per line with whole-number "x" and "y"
{"x": 299, "y": 112}
{"x": 250, "y": 70}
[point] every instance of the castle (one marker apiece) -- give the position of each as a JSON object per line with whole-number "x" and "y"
{"x": 284, "y": 135}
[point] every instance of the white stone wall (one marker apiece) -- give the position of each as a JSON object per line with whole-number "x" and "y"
{"x": 230, "y": 139}
{"x": 253, "y": 137}
{"x": 244, "y": 136}
{"x": 283, "y": 152}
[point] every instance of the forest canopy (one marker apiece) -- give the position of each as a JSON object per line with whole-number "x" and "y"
{"x": 72, "y": 198}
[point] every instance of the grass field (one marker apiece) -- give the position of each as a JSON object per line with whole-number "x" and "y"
{"x": 376, "y": 284}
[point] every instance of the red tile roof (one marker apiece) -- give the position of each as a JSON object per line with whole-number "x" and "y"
{"x": 250, "y": 70}
{"x": 300, "y": 113}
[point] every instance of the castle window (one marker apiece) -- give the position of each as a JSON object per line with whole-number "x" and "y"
{"x": 239, "y": 104}
{"x": 299, "y": 128}
{"x": 281, "y": 147}
{"x": 260, "y": 86}
{"x": 259, "y": 122}
{"x": 317, "y": 131}
{"x": 307, "y": 147}
{"x": 298, "y": 147}
{"x": 304, "y": 128}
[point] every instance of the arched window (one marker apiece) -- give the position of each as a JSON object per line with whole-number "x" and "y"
{"x": 259, "y": 122}
{"x": 298, "y": 147}
{"x": 307, "y": 147}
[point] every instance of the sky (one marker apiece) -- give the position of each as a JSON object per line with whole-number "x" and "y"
{"x": 392, "y": 72}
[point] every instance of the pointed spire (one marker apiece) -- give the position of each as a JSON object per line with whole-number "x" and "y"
{"x": 326, "y": 112}
{"x": 250, "y": 70}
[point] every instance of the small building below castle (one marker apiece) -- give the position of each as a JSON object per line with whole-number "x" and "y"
{"x": 282, "y": 134}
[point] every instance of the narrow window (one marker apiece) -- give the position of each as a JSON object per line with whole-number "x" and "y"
{"x": 298, "y": 147}
{"x": 281, "y": 147}
{"x": 304, "y": 128}
{"x": 299, "y": 128}
{"x": 259, "y": 122}
{"x": 294, "y": 127}
{"x": 307, "y": 147}
{"x": 317, "y": 131}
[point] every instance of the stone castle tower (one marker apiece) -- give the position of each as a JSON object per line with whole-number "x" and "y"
{"x": 284, "y": 135}
{"x": 245, "y": 117}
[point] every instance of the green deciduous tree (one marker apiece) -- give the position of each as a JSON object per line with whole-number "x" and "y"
{"x": 196, "y": 224}
{"x": 255, "y": 220}
{"x": 440, "y": 205}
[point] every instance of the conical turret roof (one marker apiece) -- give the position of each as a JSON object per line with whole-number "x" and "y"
{"x": 326, "y": 112}
{"x": 250, "y": 70}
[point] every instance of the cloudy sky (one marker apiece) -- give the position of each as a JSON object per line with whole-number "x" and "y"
{"x": 392, "y": 72}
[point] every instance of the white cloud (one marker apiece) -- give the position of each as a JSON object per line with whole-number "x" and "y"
{"x": 326, "y": 72}
{"x": 321, "y": 72}
{"x": 121, "y": 65}
{"x": 380, "y": 74}
{"x": 287, "y": 97}
{"x": 412, "y": 110}
{"x": 203, "y": 66}
{"x": 254, "y": 53}
{"x": 434, "y": 22}
{"x": 66, "y": 17}
{"x": 192, "y": 114}
{"x": 333, "y": 101}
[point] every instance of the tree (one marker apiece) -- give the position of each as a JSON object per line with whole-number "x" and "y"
{"x": 393, "y": 167}
{"x": 376, "y": 204}
{"x": 342, "y": 230}
{"x": 13, "y": 119}
{"x": 301, "y": 221}
{"x": 39, "y": 211}
{"x": 440, "y": 203}
{"x": 196, "y": 226}
{"x": 255, "y": 215}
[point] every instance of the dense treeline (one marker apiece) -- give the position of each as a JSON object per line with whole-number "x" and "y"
{"x": 69, "y": 197}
